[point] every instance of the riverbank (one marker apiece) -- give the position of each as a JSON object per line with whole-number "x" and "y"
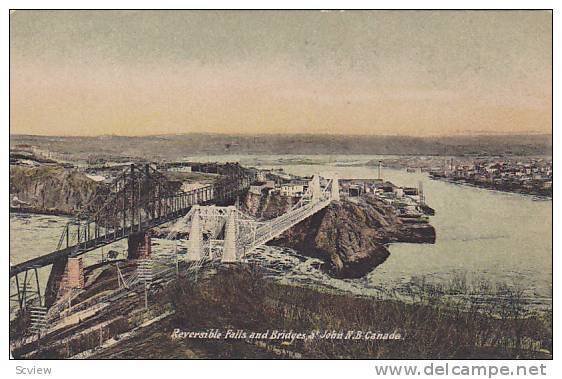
{"x": 60, "y": 191}
{"x": 52, "y": 190}
{"x": 542, "y": 194}
{"x": 38, "y": 211}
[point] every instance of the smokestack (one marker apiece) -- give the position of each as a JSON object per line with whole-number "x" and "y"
{"x": 380, "y": 169}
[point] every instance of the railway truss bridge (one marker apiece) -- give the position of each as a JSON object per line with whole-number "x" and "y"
{"x": 137, "y": 200}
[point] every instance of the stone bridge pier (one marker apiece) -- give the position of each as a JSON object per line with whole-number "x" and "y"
{"x": 66, "y": 274}
{"x": 139, "y": 246}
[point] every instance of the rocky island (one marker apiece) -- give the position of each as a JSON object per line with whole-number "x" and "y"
{"x": 349, "y": 236}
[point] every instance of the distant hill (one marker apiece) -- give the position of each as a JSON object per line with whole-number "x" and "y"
{"x": 172, "y": 146}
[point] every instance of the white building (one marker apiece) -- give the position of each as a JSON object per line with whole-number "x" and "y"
{"x": 292, "y": 190}
{"x": 180, "y": 168}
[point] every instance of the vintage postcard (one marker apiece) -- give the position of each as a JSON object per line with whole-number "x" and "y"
{"x": 281, "y": 184}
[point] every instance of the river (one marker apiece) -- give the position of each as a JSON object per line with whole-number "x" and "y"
{"x": 481, "y": 235}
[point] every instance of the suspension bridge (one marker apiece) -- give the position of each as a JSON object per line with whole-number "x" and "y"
{"x": 228, "y": 234}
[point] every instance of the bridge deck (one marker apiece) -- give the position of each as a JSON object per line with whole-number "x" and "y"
{"x": 279, "y": 225}
{"x": 95, "y": 243}
{"x": 135, "y": 191}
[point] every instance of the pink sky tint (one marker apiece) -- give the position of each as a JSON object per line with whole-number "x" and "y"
{"x": 81, "y": 78}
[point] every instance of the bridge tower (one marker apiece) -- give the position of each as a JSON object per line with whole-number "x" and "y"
{"x": 315, "y": 188}
{"x": 335, "y": 188}
{"x": 195, "y": 236}
{"x": 229, "y": 250}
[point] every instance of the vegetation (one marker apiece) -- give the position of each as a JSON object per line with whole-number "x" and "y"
{"x": 450, "y": 321}
{"x": 431, "y": 325}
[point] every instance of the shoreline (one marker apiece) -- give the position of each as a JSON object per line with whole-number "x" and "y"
{"x": 459, "y": 182}
{"x": 40, "y": 212}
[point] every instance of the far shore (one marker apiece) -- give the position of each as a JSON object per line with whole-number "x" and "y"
{"x": 45, "y": 212}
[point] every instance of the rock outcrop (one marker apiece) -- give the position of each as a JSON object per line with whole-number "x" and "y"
{"x": 350, "y": 237}
{"x": 50, "y": 189}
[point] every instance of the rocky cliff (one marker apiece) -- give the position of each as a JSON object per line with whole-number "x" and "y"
{"x": 50, "y": 189}
{"x": 350, "y": 237}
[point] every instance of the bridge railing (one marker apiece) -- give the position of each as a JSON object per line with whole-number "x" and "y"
{"x": 314, "y": 200}
{"x": 278, "y": 226}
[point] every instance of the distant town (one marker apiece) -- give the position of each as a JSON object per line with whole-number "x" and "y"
{"x": 533, "y": 176}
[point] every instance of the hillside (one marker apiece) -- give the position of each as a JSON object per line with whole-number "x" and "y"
{"x": 176, "y": 146}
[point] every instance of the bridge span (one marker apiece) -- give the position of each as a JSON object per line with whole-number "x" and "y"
{"x": 141, "y": 199}
{"x": 228, "y": 234}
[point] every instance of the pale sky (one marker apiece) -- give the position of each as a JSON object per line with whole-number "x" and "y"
{"x": 355, "y": 72}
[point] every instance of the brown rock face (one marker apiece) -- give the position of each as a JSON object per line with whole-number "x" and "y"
{"x": 50, "y": 188}
{"x": 349, "y": 237}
